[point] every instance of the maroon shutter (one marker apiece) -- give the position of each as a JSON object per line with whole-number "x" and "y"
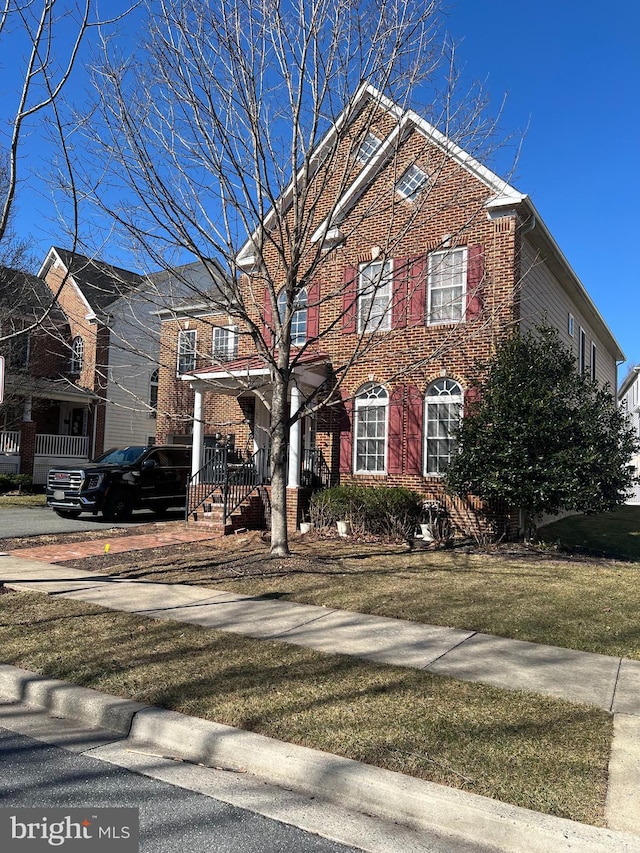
{"x": 475, "y": 288}
{"x": 399, "y": 296}
{"x": 345, "y": 426}
{"x": 471, "y": 400}
{"x": 417, "y": 290}
{"x": 414, "y": 413}
{"x": 349, "y": 299}
{"x": 267, "y": 318}
{"x": 394, "y": 438}
{"x": 313, "y": 310}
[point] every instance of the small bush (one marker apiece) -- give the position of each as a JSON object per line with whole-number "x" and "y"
{"x": 10, "y": 482}
{"x": 377, "y": 510}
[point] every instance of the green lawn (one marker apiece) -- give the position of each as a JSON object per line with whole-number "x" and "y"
{"x": 22, "y": 500}
{"x": 610, "y": 534}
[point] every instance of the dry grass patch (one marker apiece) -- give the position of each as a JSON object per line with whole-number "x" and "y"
{"x": 535, "y": 752}
{"x": 543, "y": 597}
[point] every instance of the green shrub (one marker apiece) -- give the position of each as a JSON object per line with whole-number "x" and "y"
{"x": 378, "y": 510}
{"x": 10, "y": 482}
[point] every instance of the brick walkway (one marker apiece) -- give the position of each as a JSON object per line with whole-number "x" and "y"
{"x": 158, "y": 536}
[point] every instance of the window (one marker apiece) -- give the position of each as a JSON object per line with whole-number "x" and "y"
{"x": 186, "y": 351}
{"x": 368, "y": 147}
{"x": 374, "y": 296}
{"x": 370, "y": 445}
{"x": 299, "y": 317}
{"x": 77, "y": 354}
{"x": 225, "y": 343}
{"x": 593, "y": 362}
{"x": 447, "y": 286}
{"x": 582, "y": 351}
{"x": 19, "y": 348}
{"x": 570, "y": 324}
{"x": 153, "y": 393}
{"x": 412, "y": 182}
{"x": 442, "y": 416}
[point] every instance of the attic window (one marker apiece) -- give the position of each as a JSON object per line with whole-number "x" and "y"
{"x": 412, "y": 183}
{"x": 368, "y": 147}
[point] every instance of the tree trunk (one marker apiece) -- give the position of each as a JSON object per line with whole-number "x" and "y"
{"x": 279, "y": 454}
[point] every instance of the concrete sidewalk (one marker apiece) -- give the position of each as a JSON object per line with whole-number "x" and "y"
{"x": 612, "y": 684}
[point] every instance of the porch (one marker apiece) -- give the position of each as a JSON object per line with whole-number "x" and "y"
{"x": 47, "y": 451}
{"x": 230, "y": 488}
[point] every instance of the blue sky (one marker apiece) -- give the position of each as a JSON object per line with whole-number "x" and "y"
{"x": 571, "y": 72}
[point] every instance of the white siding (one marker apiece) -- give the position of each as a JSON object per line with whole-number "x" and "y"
{"x": 544, "y": 298}
{"x": 134, "y": 350}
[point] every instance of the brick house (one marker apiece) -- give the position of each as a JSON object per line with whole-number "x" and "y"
{"x": 43, "y": 409}
{"x": 429, "y": 259}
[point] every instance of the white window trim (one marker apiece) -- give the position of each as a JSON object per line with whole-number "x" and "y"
{"x": 231, "y": 351}
{"x": 463, "y": 298}
{"x": 418, "y": 175}
{"x": 368, "y": 404}
{"x": 571, "y": 325}
{"x": 77, "y": 354}
{"x": 183, "y": 334}
{"x": 366, "y": 143}
{"x": 385, "y": 323}
{"x": 592, "y": 366}
{"x": 297, "y": 309}
{"x": 425, "y": 421}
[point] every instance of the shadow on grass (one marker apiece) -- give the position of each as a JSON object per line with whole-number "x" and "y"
{"x": 613, "y": 535}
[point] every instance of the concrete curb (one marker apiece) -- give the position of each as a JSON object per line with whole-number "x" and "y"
{"x": 413, "y": 802}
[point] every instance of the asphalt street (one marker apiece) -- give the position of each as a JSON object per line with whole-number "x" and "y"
{"x": 38, "y": 520}
{"x": 172, "y": 819}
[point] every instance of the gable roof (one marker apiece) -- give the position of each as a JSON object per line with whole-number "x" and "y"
{"x": 100, "y": 283}
{"x": 504, "y": 199}
{"x": 26, "y": 296}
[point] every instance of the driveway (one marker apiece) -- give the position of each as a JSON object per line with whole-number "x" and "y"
{"x": 36, "y": 520}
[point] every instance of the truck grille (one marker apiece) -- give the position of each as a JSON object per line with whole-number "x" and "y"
{"x": 68, "y": 481}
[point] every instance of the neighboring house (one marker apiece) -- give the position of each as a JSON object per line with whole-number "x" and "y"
{"x": 44, "y": 414}
{"x": 112, "y": 314}
{"x": 428, "y": 311}
{"x": 629, "y": 399}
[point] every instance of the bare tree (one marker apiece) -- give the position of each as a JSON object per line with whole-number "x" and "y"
{"x": 44, "y": 40}
{"x": 234, "y": 135}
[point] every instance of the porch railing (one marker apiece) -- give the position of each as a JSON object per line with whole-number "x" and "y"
{"x": 62, "y": 445}
{"x": 315, "y": 471}
{"x": 225, "y": 479}
{"x": 10, "y": 441}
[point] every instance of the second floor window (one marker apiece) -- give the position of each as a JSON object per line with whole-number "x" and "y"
{"x": 186, "y": 350}
{"x": 374, "y": 296}
{"x": 447, "y": 286}
{"x": 77, "y": 354}
{"x": 225, "y": 343}
{"x": 153, "y": 393}
{"x": 299, "y": 317}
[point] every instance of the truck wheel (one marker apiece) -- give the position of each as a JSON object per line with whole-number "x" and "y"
{"x": 68, "y": 513}
{"x": 118, "y": 507}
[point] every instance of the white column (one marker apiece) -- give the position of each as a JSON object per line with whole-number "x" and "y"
{"x": 294, "y": 442}
{"x": 196, "y": 454}
{"x": 26, "y": 411}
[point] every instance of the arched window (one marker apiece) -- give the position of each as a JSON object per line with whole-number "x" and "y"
{"x": 370, "y": 429}
{"x": 153, "y": 393}
{"x": 299, "y": 318}
{"x": 77, "y": 354}
{"x": 443, "y": 411}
